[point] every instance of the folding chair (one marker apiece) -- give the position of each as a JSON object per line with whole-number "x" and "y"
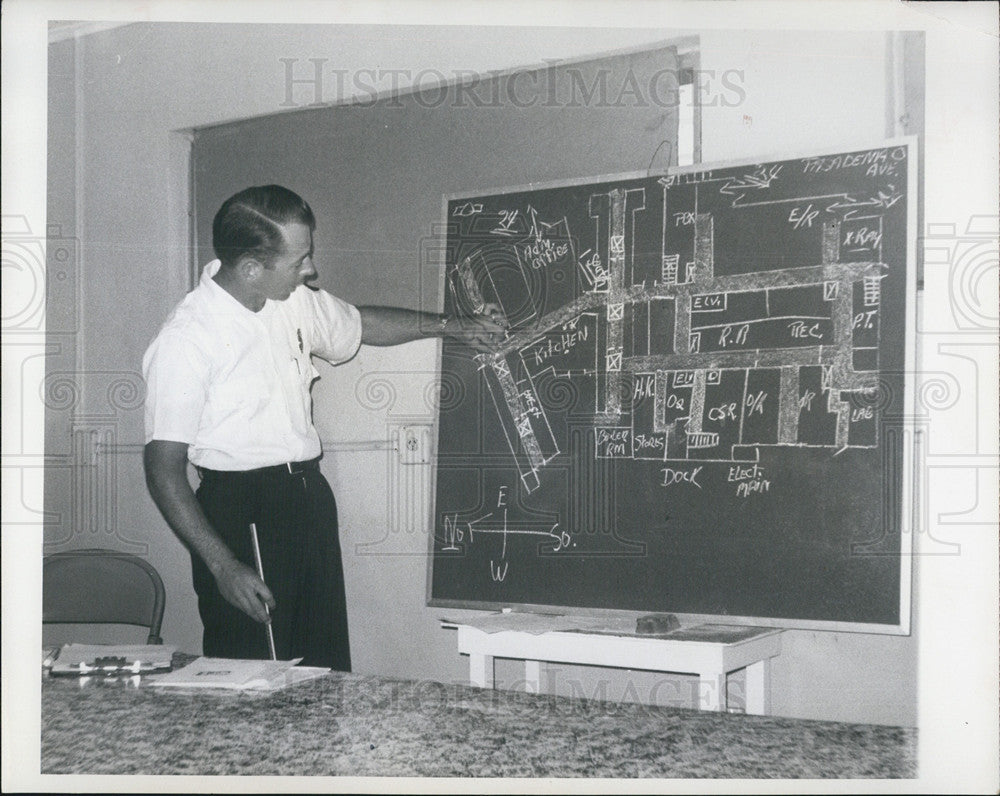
{"x": 98, "y": 586}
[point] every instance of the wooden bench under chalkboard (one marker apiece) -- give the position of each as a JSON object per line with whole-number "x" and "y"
{"x": 709, "y": 651}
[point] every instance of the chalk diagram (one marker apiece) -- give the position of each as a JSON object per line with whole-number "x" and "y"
{"x": 688, "y": 365}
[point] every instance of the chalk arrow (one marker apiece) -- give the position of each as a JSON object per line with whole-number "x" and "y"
{"x": 883, "y": 200}
{"x": 760, "y": 179}
{"x": 534, "y": 222}
{"x": 738, "y": 203}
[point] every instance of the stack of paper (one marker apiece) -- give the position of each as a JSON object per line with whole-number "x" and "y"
{"x": 111, "y": 659}
{"x": 239, "y": 675}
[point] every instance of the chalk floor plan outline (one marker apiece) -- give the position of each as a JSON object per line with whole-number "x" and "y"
{"x": 686, "y": 364}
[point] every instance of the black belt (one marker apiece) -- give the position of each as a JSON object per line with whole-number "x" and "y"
{"x": 289, "y": 468}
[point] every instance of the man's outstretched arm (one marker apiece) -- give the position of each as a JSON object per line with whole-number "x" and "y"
{"x": 383, "y": 326}
{"x": 166, "y": 477}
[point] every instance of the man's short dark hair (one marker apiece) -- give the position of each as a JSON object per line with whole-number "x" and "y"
{"x": 249, "y": 223}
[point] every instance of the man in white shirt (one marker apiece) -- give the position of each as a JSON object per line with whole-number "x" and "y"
{"x": 228, "y": 380}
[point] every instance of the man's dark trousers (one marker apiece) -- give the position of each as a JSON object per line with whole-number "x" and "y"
{"x": 296, "y": 520}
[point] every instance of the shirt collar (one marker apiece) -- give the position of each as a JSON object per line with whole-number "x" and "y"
{"x": 210, "y": 270}
{"x": 220, "y": 298}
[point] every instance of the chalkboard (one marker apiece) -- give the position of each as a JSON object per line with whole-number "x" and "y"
{"x": 701, "y": 407}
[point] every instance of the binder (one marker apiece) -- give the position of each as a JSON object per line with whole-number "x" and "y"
{"x": 110, "y": 660}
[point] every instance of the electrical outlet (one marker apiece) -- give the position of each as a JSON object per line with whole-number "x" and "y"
{"x": 415, "y": 444}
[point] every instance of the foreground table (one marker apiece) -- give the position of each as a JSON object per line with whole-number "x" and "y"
{"x": 360, "y": 725}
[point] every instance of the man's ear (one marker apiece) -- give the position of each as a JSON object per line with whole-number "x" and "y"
{"x": 249, "y": 269}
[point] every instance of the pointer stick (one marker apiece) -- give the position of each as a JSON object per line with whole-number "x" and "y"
{"x": 260, "y": 574}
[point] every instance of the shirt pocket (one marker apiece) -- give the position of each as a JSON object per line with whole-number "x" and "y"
{"x": 303, "y": 371}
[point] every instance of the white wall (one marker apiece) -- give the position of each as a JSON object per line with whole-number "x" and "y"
{"x": 137, "y": 84}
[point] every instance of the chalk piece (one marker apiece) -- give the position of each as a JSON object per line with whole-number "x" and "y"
{"x": 656, "y": 624}
{"x": 505, "y": 610}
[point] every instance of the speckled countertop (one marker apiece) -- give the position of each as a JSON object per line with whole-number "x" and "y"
{"x": 359, "y": 725}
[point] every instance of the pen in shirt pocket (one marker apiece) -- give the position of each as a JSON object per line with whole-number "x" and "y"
{"x": 302, "y": 350}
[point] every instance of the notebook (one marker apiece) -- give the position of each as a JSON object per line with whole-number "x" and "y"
{"x": 239, "y": 675}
